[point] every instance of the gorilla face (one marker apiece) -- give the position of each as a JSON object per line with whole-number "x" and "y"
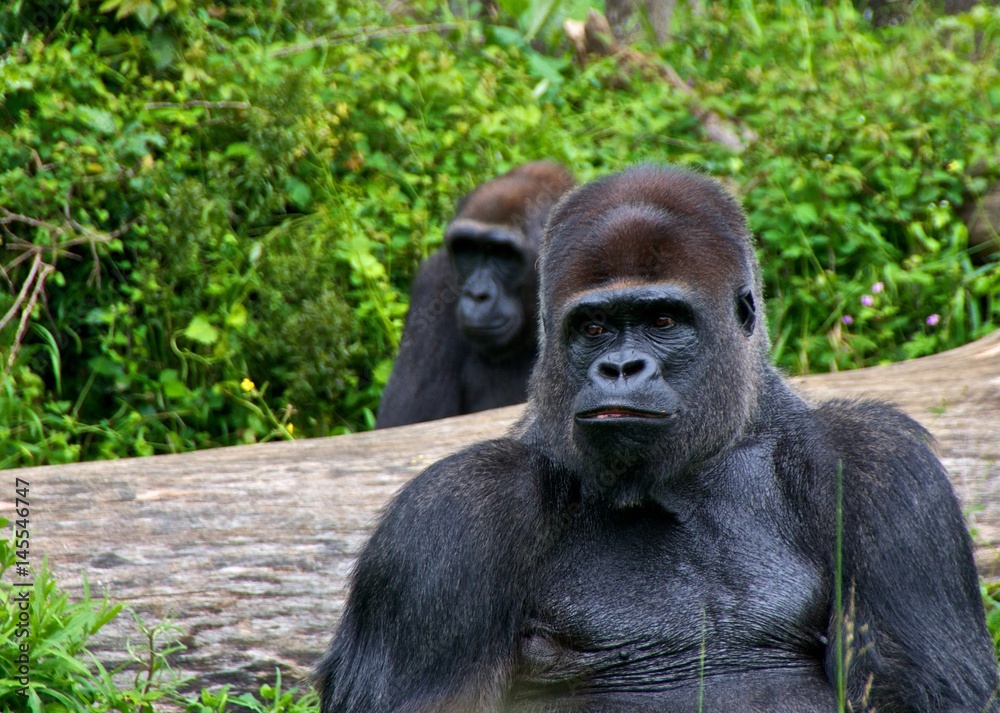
{"x": 631, "y": 348}
{"x": 651, "y": 356}
{"x": 494, "y": 279}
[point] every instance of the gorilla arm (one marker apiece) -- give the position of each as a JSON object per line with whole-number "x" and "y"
{"x": 425, "y": 382}
{"x": 432, "y": 621}
{"x": 910, "y": 591}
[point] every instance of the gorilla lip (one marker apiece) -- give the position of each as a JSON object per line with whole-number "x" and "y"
{"x": 614, "y": 412}
{"x": 488, "y": 329}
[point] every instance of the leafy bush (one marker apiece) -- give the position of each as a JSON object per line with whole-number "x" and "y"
{"x": 62, "y": 674}
{"x": 853, "y": 187}
{"x": 213, "y": 211}
{"x": 272, "y": 700}
{"x": 66, "y": 677}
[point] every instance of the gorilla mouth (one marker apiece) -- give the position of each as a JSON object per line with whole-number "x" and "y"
{"x": 490, "y": 337}
{"x": 615, "y": 412}
{"x": 488, "y": 329}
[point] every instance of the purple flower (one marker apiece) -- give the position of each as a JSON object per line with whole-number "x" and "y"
{"x": 933, "y": 319}
{"x": 878, "y": 287}
{"x": 847, "y": 319}
{"x": 867, "y": 300}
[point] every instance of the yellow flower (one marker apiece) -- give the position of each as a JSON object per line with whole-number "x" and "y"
{"x": 247, "y": 385}
{"x": 954, "y": 166}
{"x": 291, "y": 428}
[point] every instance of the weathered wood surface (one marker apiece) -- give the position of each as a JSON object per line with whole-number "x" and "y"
{"x": 248, "y": 547}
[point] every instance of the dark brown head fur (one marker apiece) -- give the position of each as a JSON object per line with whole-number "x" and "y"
{"x": 518, "y": 201}
{"x": 648, "y": 224}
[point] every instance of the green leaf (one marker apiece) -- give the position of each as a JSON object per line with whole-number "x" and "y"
{"x": 98, "y": 119}
{"x": 240, "y": 148}
{"x": 237, "y": 317}
{"x": 173, "y": 387}
{"x": 545, "y": 67}
{"x": 104, "y": 367}
{"x": 300, "y": 193}
{"x": 395, "y": 111}
{"x": 505, "y": 36}
{"x": 147, "y": 13}
{"x": 805, "y": 213}
{"x": 201, "y": 330}
{"x": 539, "y": 11}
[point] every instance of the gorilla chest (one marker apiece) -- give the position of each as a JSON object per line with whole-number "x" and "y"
{"x": 646, "y": 599}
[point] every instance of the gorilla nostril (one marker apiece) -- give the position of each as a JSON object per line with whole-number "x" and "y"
{"x": 614, "y": 369}
{"x": 477, "y": 295}
{"x": 633, "y": 368}
{"x": 608, "y": 370}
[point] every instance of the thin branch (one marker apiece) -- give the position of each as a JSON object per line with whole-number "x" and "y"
{"x": 29, "y": 251}
{"x": 46, "y": 270}
{"x": 7, "y": 217}
{"x": 6, "y": 276}
{"x": 35, "y": 266}
{"x": 34, "y": 281}
{"x": 95, "y": 271}
{"x": 88, "y": 235}
{"x": 91, "y": 236}
{"x": 364, "y": 34}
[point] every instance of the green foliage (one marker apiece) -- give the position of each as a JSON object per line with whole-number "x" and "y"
{"x": 991, "y": 601}
{"x": 146, "y": 172}
{"x": 544, "y": 18}
{"x": 272, "y": 700}
{"x": 865, "y": 144}
{"x": 63, "y": 675}
{"x": 212, "y": 212}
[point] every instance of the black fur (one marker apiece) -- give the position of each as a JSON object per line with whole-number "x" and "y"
{"x": 453, "y": 359}
{"x": 670, "y": 527}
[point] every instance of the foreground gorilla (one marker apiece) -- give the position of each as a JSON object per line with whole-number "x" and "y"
{"x": 470, "y": 339}
{"x": 660, "y": 532}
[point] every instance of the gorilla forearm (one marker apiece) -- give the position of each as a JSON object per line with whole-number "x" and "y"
{"x": 907, "y": 584}
{"x": 438, "y": 592}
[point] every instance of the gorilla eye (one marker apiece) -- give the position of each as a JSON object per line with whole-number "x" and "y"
{"x": 664, "y": 320}
{"x": 593, "y": 329}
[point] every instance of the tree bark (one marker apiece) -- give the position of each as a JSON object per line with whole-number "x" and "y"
{"x": 248, "y": 548}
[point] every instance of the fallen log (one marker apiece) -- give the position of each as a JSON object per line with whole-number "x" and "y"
{"x": 248, "y": 548}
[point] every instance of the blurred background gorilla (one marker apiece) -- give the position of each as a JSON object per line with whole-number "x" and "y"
{"x": 670, "y": 527}
{"x": 470, "y": 337}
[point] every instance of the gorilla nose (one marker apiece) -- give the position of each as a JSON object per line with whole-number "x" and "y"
{"x": 624, "y": 366}
{"x": 480, "y": 292}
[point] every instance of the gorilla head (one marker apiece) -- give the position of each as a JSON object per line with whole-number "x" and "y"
{"x": 470, "y": 337}
{"x": 650, "y": 320}
{"x": 493, "y": 245}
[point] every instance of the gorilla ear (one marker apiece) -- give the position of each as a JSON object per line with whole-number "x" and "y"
{"x": 746, "y": 310}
